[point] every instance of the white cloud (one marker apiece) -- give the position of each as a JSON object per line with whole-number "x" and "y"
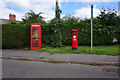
{"x": 62, "y": 16}
{"x": 85, "y": 12}
{"x": 24, "y": 6}
{"x": 68, "y": 0}
{"x": 4, "y": 12}
{"x": 46, "y": 8}
{"x": 90, "y": 0}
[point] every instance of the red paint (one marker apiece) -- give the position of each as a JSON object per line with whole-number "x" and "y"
{"x": 35, "y": 36}
{"x": 74, "y": 39}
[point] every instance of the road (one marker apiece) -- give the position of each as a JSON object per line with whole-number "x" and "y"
{"x": 33, "y": 69}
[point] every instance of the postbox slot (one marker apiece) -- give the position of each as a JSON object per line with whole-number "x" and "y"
{"x": 74, "y": 33}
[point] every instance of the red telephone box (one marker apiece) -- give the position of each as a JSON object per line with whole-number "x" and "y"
{"x": 74, "y": 39}
{"x": 35, "y": 36}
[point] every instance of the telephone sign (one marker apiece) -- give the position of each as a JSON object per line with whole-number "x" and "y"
{"x": 35, "y": 36}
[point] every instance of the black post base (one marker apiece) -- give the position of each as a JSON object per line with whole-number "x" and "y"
{"x": 74, "y": 48}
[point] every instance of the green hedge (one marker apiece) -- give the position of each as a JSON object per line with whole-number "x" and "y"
{"x": 15, "y": 35}
{"x": 18, "y": 35}
{"x": 102, "y": 35}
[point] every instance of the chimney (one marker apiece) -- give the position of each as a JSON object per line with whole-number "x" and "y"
{"x": 12, "y": 18}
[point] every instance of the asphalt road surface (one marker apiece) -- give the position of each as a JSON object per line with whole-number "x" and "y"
{"x": 33, "y": 69}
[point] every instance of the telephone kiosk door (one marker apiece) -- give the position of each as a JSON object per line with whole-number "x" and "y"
{"x": 35, "y": 36}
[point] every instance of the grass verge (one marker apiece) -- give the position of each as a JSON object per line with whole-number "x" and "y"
{"x": 99, "y": 50}
{"x": 42, "y": 58}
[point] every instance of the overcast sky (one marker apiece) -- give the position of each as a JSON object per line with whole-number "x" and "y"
{"x": 77, "y": 8}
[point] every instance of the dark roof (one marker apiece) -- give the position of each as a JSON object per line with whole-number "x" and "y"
{"x": 6, "y": 21}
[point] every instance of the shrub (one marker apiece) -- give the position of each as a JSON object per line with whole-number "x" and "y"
{"x": 15, "y": 35}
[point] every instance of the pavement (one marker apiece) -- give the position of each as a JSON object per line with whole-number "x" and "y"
{"x": 34, "y": 55}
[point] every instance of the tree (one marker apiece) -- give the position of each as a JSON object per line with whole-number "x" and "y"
{"x": 33, "y": 17}
{"x": 108, "y": 18}
{"x": 71, "y": 18}
{"x": 56, "y": 37}
{"x": 58, "y": 12}
{"x": 55, "y": 27}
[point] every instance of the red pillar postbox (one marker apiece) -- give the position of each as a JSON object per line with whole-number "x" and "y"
{"x": 35, "y": 36}
{"x": 74, "y": 39}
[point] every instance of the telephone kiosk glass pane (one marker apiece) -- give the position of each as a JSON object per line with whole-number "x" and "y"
{"x": 35, "y": 37}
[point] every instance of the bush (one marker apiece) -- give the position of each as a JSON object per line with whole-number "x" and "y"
{"x": 15, "y": 35}
{"x": 18, "y": 35}
{"x": 57, "y": 32}
{"x": 51, "y": 33}
{"x": 102, "y": 34}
